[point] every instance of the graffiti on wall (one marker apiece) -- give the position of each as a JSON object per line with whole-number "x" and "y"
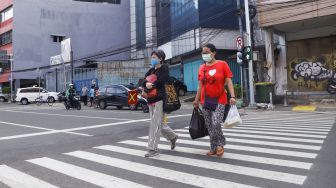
{"x": 312, "y": 73}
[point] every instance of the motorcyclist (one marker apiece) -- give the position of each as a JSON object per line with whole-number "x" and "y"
{"x": 70, "y": 94}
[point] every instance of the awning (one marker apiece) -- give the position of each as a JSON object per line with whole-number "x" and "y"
{"x": 4, "y": 77}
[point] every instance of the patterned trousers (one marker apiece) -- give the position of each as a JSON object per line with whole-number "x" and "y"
{"x": 212, "y": 121}
{"x": 157, "y": 126}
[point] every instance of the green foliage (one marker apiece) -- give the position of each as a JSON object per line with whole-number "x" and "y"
{"x": 6, "y": 90}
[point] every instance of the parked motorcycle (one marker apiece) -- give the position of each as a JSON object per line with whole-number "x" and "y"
{"x": 74, "y": 104}
{"x": 331, "y": 87}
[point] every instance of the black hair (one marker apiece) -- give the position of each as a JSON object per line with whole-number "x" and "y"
{"x": 160, "y": 53}
{"x": 211, "y": 47}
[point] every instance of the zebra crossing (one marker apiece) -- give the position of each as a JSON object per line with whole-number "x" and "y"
{"x": 270, "y": 149}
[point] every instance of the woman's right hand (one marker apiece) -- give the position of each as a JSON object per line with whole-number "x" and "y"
{"x": 196, "y": 104}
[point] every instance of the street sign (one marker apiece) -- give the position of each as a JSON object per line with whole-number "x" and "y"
{"x": 56, "y": 60}
{"x": 132, "y": 97}
{"x": 239, "y": 43}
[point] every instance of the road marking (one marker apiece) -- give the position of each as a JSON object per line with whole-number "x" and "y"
{"x": 228, "y": 155}
{"x": 291, "y": 121}
{"x": 275, "y": 133}
{"x": 304, "y": 125}
{"x": 90, "y": 176}
{"x": 40, "y": 128}
{"x": 164, "y": 173}
{"x": 264, "y": 137}
{"x": 289, "y": 127}
{"x": 64, "y": 115}
{"x": 16, "y": 179}
{"x": 261, "y": 142}
{"x": 281, "y": 130}
{"x": 81, "y": 128}
{"x": 247, "y": 171}
{"x": 252, "y": 149}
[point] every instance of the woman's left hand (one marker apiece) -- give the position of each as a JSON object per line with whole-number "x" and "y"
{"x": 232, "y": 101}
{"x": 149, "y": 85}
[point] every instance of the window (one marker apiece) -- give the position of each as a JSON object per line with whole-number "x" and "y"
{"x": 140, "y": 24}
{"x": 110, "y": 91}
{"x": 6, "y": 14}
{"x": 120, "y": 90}
{"x": 6, "y": 38}
{"x": 56, "y": 38}
{"x": 102, "y": 1}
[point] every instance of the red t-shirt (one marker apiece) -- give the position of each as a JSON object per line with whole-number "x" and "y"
{"x": 215, "y": 79}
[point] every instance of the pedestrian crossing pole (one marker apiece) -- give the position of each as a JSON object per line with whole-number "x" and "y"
{"x": 249, "y": 43}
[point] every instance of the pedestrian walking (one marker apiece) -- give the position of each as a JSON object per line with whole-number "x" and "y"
{"x": 213, "y": 75}
{"x": 84, "y": 96}
{"x": 91, "y": 95}
{"x": 155, "y": 102}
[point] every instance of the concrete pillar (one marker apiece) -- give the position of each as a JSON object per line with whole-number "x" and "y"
{"x": 281, "y": 66}
{"x": 270, "y": 61}
{"x": 151, "y": 31}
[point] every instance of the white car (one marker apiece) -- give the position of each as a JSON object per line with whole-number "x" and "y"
{"x": 29, "y": 94}
{"x": 3, "y": 97}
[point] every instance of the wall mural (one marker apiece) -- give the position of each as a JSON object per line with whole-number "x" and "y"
{"x": 311, "y": 74}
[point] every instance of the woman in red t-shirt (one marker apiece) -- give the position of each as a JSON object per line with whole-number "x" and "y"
{"x": 213, "y": 75}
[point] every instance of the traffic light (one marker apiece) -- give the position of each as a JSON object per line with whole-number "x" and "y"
{"x": 247, "y": 55}
{"x": 240, "y": 57}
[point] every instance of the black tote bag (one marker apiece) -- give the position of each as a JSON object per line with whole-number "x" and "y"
{"x": 171, "y": 101}
{"x": 197, "y": 127}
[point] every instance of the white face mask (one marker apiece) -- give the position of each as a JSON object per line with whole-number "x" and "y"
{"x": 207, "y": 57}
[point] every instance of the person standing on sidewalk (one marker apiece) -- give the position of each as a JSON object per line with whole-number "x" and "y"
{"x": 85, "y": 92}
{"x": 213, "y": 75}
{"x": 156, "y": 104}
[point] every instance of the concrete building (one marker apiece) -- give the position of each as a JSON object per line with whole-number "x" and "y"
{"x": 181, "y": 28}
{"x": 304, "y": 56}
{"x": 39, "y": 26}
{"x": 6, "y": 47}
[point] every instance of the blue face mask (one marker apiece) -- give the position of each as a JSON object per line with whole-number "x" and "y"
{"x": 154, "y": 62}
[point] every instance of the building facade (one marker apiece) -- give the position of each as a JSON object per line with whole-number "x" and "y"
{"x": 304, "y": 57}
{"x": 6, "y": 46}
{"x": 181, "y": 28}
{"x": 39, "y": 26}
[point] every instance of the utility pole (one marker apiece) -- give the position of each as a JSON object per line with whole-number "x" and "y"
{"x": 249, "y": 43}
{"x": 72, "y": 66}
{"x": 239, "y": 9}
{"x": 11, "y": 76}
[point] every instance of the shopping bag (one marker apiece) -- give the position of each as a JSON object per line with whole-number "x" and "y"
{"x": 150, "y": 93}
{"x": 197, "y": 127}
{"x": 171, "y": 102}
{"x": 233, "y": 118}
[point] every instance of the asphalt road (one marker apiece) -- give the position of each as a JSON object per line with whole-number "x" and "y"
{"x": 42, "y": 146}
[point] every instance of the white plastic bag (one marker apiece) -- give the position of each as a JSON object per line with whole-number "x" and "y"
{"x": 233, "y": 118}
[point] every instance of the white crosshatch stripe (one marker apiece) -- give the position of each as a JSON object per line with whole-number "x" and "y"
{"x": 17, "y": 179}
{"x": 272, "y": 126}
{"x": 252, "y": 149}
{"x": 316, "y": 141}
{"x": 248, "y": 171}
{"x": 258, "y": 142}
{"x": 229, "y": 155}
{"x": 279, "y": 130}
{"x": 191, "y": 179}
{"x": 90, "y": 176}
